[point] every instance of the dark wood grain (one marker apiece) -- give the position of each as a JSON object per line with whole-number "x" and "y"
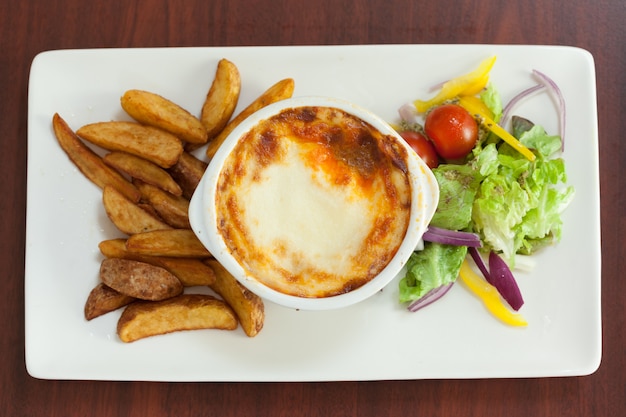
{"x": 28, "y": 27}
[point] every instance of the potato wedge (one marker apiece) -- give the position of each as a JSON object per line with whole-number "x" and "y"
{"x": 177, "y": 243}
{"x": 148, "y": 142}
{"x": 142, "y": 169}
{"x": 90, "y": 163}
{"x": 185, "y": 312}
{"x": 154, "y": 110}
{"x": 281, "y": 90}
{"x": 103, "y": 299}
{"x": 188, "y": 172}
{"x": 190, "y": 272}
{"x": 116, "y": 248}
{"x": 147, "y": 207}
{"x": 222, "y": 98}
{"x": 248, "y": 306}
{"x": 139, "y": 279}
{"x": 172, "y": 209}
{"x": 127, "y": 216}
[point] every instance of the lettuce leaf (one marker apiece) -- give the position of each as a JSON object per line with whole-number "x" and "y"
{"x": 458, "y": 185}
{"x": 519, "y": 203}
{"x": 491, "y": 97}
{"x": 431, "y": 268}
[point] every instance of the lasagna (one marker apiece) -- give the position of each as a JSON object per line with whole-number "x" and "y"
{"x": 313, "y": 201}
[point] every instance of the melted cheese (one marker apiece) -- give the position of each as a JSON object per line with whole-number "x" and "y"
{"x": 314, "y": 202}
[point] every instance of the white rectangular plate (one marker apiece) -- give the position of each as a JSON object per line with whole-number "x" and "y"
{"x": 375, "y": 340}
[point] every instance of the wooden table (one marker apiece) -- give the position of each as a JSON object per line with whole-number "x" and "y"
{"x": 28, "y": 27}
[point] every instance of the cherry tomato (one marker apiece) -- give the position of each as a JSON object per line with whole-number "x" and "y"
{"x": 452, "y": 129}
{"x": 422, "y": 146}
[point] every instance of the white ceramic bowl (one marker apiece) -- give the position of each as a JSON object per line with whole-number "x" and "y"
{"x": 202, "y": 213}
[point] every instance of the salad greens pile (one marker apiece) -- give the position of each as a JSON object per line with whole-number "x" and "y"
{"x": 512, "y": 203}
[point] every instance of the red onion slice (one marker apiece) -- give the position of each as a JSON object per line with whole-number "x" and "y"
{"x": 504, "y": 281}
{"x": 558, "y": 95}
{"x": 478, "y": 260}
{"x": 508, "y": 109}
{"x": 408, "y": 113}
{"x": 451, "y": 237}
{"x": 430, "y": 297}
{"x": 437, "y": 86}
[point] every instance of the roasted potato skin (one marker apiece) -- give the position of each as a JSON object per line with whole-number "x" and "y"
{"x": 155, "y": 110}
{"x": 139, "y": 279}
{"x": 143, "y": 170}
{"x": 177, "y": 243}
{"x": 190, "y": 272}
{"x": 222, "y": 98}
{"x": 90, "y": 163}
{"x": 188, "y": 172}
{"x": 103, "y": 299}
{"x": 143, "y": 319}
{"x": 248, "y": 306}
{"x": 127, "y": 216}
{"x": 279, "y": 91}
{"x": 151, "y": 143}
{"x": 172, "y": 209}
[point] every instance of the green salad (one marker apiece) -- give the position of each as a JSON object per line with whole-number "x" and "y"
{"x": 503, "y": 197}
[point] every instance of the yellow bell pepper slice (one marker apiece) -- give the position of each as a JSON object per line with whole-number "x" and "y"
{"x": 476, "y": 107}
{"x": 468, "y": 84}
{"x": 489, "y": 296}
